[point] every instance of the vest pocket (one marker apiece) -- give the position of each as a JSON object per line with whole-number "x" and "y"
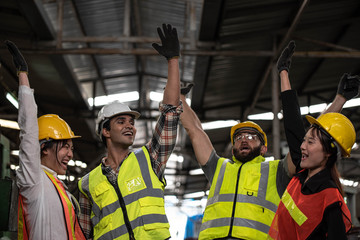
{"x": 153, "y": 213}
{"x": 251, "y": 184}
{"x": 101, "y": 188}
{"x": 103, "y": 226}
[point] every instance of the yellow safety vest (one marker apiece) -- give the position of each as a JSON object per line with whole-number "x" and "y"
{"x": 134, "y": 211}
{"x": 242, "y": 201}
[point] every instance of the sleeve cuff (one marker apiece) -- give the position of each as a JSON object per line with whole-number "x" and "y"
{"x": 167, "y": 108}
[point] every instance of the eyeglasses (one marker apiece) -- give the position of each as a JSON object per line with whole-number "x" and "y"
{"x": 247, "y": 136}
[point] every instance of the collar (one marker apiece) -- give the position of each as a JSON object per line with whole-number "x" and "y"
{"x": 257, "y": 159}
{"x": 52, "y": 172}
{"x": 105, "y": 165}
{"x": 316, "y": 183}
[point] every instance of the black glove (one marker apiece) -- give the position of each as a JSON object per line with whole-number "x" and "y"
{"x": 186, "y": 89}
{"x": 284, "y": 61}
{"x": 19, "y": 60}
{"x": 349, "y": 86}
{"x": 170, "y": 43}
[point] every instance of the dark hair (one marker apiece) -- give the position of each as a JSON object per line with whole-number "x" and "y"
{"x": 329, "y": 147}
{"x": 106, "y": 125}
{"x": 51, "y": 143}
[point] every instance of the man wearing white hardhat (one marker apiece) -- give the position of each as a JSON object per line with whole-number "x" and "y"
{"x": 123, "y": 198}
{"x": 245, "y": 190}
{"x": 46, "y": 209}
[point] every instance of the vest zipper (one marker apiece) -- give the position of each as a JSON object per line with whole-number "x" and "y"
{"x": 123, "y": 208}
{"x": 234, "y": 205}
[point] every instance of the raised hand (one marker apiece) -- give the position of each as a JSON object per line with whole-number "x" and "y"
{"x": 349, "y": 86}
{"x": 284, "y": 60}
{"x": 19, "y": 60}
{"x": 170, "y": 43}
{"x": 186, "y": 89}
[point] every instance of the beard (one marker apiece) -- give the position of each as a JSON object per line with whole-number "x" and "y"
{"x": 247, "y": 157}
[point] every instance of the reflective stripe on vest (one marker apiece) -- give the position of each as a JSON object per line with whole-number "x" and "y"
{"x": 68, "y": 210}
{"x": 72, "y": 225}
{"x": 22, "y": 230}
{"x": 144, "y": 204}
{"x": 299, "y": 214}
{"x": 260, "y": 200}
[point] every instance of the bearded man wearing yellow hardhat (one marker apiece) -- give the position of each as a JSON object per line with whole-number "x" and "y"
{"x": 245, "y": 191}
{"x": 46, "y": 209}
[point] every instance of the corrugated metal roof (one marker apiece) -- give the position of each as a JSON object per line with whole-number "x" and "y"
{"x": 239, "y": 43}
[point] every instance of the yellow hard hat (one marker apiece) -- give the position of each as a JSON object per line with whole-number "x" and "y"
{"x": 339, "y": 128}
{"x": 248, "y": 124}
{"x": 54, "y": 127}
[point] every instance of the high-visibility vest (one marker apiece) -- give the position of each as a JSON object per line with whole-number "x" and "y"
{"x": 134, "y": 209}
{"x": 242, "y": 201}
{"x": 73, "y": 229}
{"x": 298, "y": 214}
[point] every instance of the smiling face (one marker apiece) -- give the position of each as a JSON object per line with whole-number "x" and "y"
{"x": 57, "y": 156}
{"x": 313, "y": 156}
{"x": 122, "y": 131}
{"x": 247, "y": 146}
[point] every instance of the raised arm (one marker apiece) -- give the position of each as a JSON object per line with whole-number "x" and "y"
{"x": 170, "y": 49}
{"x": 293, "y": 124}
{"x": 348, "y": 88}
{"x": 27, "y": 174}
{"x": 294, "y": 129}
{"x": 199, "y": 139}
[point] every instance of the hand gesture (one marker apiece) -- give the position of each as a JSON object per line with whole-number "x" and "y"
{"x": 284, "y": 61}
{"x": 170, "y": 43}
{"x": 349, "y": 86}
{"x": 19, "y": 61}
{"x": 186, "y": 89}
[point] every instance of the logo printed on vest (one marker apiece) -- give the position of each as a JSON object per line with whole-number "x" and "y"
{"x": 135, "y": 184}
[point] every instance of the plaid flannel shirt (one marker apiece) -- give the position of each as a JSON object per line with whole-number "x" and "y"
{"x": 160, "y": 148}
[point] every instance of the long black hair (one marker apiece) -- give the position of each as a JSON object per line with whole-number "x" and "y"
{"x": 49, "y": 144}
{"x": 330, "y": 147}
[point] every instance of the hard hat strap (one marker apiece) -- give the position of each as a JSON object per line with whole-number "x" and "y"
{"x": 325, "y": 133}
{"x": 334, "y": 143}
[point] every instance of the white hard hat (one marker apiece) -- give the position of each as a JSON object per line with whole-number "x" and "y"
{"x": 110, "y": 110}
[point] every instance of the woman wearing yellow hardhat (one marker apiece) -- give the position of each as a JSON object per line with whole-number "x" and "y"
{"x": 312, "y": 206}
{"x": 46, "y": 208}
{"x": 55, "y": 137}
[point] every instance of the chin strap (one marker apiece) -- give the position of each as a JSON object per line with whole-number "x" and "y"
{"x": 338, "y": 153}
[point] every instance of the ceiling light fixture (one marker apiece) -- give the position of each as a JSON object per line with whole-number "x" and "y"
{"x": 304, "y": 110}
{"x": 194, "y": 195}
{"x": 349, "y": 183}
{"x": 218, "y": 124}
{"x": 12, "y": 99}
{"x": 198, "y": 171}
{"x": 122, "y": 97}
{"x": 15, "y": 152}
{"x": 9, "y": 124}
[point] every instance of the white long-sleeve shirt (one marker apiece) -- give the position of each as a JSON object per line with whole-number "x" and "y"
{"x": 43, "y": 209}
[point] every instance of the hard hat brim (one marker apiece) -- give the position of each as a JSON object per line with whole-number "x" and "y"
{"x": 133, "y": 113}
{"x": 313, "y": 120}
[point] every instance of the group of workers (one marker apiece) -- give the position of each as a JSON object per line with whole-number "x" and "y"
{"x": 297, "y": 197}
